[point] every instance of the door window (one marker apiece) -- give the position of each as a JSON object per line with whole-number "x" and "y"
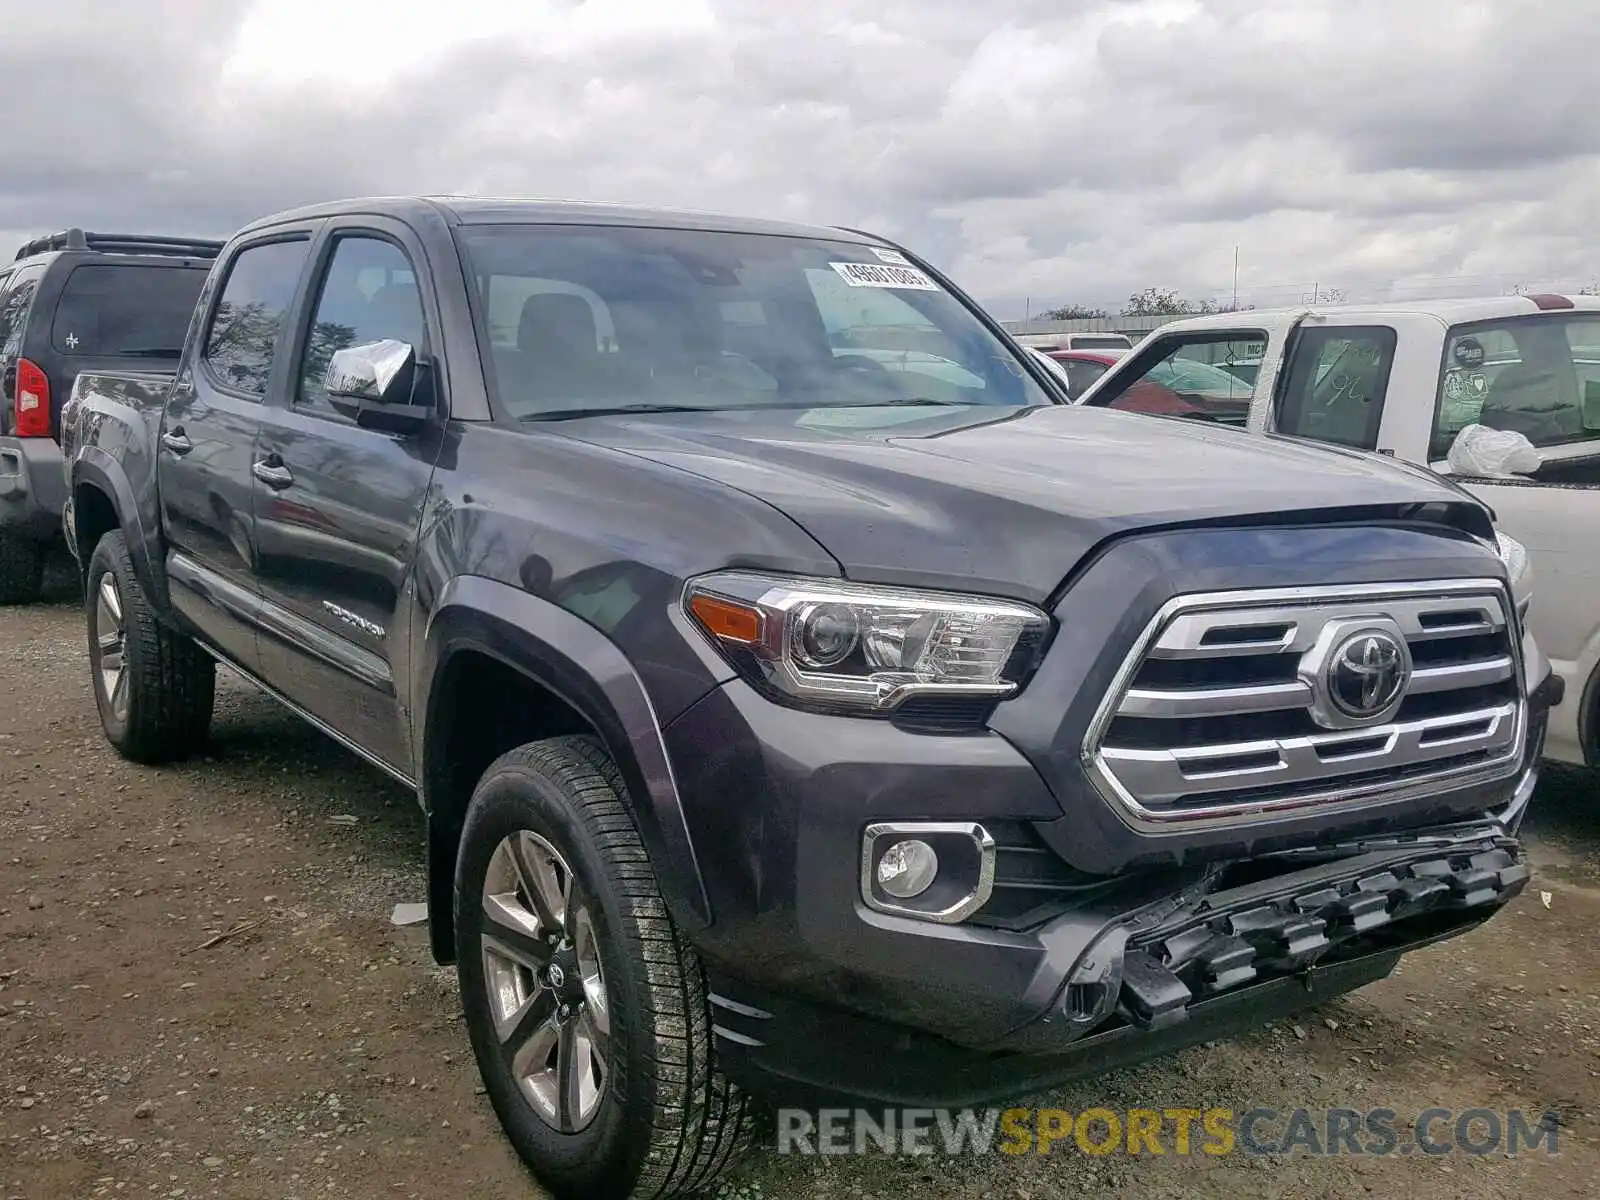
{"x": 1338, "y": 378}
{"x": 245, "y": 326}
{"x": 369, "y": 294}
{"x": 1188, "y": 375}
{"x": 1537, "y": 376}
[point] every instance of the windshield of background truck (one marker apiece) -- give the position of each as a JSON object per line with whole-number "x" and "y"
{"x": 597, "y": 317}
{"x": 1538, "y": 376}
{"x": 125, "y": 308}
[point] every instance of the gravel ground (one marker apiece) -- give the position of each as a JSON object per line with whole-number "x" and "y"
{"x": 201, "y": 995}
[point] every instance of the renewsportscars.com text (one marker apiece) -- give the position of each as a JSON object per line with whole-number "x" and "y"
{"x": 1175, "y": 1131}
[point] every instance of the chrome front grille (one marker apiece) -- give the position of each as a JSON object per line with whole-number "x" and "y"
{"x": 1238, "y": 703}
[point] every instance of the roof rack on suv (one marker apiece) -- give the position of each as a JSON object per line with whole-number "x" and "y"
{"x": 125, "y": 243}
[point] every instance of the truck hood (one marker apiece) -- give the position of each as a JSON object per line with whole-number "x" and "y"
{"x": 1010, "y": 500}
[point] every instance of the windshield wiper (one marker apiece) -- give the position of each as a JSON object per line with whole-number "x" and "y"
{"x": 565, "y": 414}
{"x": 152, "y": 351}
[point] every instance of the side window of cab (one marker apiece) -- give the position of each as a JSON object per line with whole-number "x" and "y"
{"x": 368, "y": 294}
{"x": 242, "y": 339}
{"x": 1201, "y": 374}
{"x": 1336, "y": 384}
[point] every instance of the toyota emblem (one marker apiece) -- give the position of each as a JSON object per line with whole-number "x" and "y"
{"x": 1367, "y": 673}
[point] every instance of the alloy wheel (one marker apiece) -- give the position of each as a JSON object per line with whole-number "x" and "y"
{"x": 547, "y": 991}
{"x": 111, "y": 639}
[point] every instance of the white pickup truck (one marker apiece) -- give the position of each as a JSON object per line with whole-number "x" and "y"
{"x": 1404, "y": 379}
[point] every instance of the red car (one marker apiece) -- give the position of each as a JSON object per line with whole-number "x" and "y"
{"x": 1084, "y": 367}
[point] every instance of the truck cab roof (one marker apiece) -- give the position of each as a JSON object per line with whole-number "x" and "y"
{"x": 483, "y": 210}
{"x": 1453, "y": 311}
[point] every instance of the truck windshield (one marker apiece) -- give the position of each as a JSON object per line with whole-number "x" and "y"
{"x": 588, "y": 318}
{"x": 141, "y": 309}
{"x": 1538, "y": 376}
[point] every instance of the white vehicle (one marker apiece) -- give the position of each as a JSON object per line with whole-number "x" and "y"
{"x": 1404, "y": 379}
{"x": 1076, "y": 341}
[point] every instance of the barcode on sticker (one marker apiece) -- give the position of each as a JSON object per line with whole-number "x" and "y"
{"x": 858, "y": 274}
{"x": 891, "y": 256}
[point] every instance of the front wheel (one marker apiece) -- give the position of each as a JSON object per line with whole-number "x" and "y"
{"x": 587, "y": 1012}
{"x": 154, "y": 687}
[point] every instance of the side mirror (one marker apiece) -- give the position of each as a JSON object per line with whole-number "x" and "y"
{"x": 1591, "y": 406}
{"x": 377, "y": 385}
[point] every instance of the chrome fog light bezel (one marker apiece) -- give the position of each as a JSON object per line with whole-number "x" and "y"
{"x": 882, "y": 835}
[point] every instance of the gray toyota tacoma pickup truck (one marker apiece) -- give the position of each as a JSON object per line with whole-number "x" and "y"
{"x": 805, "y": 702}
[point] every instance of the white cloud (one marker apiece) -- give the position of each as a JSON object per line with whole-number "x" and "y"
{"x": 1044, "y": 149}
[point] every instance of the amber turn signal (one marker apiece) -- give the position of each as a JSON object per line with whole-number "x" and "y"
{"x": 726, "y": 619}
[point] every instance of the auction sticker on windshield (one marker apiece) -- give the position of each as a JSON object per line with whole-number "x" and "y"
{"x": 858, "y": 274}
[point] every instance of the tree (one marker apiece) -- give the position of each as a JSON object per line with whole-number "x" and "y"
{"x": 1074, "y": 312}
{"x": 1164, "y": 302}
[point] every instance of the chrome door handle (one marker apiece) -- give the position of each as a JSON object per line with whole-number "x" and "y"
{"x": 274, "y": 475}
{"x": 177, "y": 442}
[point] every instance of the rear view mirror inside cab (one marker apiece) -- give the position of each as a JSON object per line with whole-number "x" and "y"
{"x": 1591, "y": 406}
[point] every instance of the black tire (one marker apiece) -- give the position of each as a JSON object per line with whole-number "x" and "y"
{"x": 668, "y": 1123}
{"x": 21, "y": 568}
{"x": 168, "y": 683}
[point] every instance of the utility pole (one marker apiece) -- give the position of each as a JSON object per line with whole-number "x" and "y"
{"x": 1236, "y": 277}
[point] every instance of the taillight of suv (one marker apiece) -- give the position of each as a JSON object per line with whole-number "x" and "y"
{"x": 31, "y": 404}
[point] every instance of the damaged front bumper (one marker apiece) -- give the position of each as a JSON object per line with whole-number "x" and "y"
{"x": 1239, "y": 947}
{"x": 1152, "y": 971}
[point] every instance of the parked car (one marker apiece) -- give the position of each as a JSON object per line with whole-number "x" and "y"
{"x": 1084, "y": 367}
{"x": 70, "y": 302}
{"x": 1112, "y": 342}
{"x": 783, "y": 730}
{"x": 1404, "y": 380}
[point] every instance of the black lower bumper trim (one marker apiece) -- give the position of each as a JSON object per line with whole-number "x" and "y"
{"x": 1215, "y": 951}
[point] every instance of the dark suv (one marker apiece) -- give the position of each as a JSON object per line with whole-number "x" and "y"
{"x": 70, "y": 302}
{"x": 804, "y": 699}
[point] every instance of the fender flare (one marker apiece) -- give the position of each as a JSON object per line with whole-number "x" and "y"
{"x": 590, "y": 673}
{"x": 93, "y": 467}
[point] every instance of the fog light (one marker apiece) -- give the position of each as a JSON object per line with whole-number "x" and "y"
{"x": 907, "y": 869}
{"x": 941, "y": 871}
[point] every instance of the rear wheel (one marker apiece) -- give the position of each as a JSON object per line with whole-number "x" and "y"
{"x": 21, "y": 568}
{"x": 587, "y": 1011}
{"x": 153, "y": 686}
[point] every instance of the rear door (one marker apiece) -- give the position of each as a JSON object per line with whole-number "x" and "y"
{"x": 207, "y": 441}
{"x": 337, "y": 523}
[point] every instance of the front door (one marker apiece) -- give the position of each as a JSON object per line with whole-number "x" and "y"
{"x": 207, "y": 440}
{"x": 338, "y": 506}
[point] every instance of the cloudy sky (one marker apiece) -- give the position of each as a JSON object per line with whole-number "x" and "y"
{"x": 1043, "y": 151}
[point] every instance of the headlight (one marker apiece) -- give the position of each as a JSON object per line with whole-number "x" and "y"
{"x": 1520, "y": 568}
{"x": 856, "y": 646}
